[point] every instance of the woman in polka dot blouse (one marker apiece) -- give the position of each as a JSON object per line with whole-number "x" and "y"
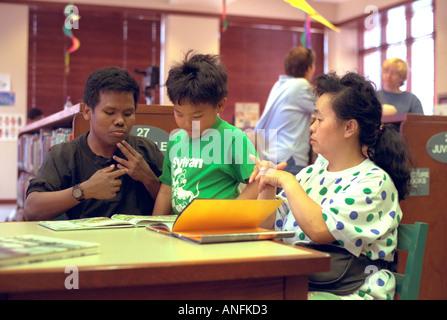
{"x": 351, "y": 198}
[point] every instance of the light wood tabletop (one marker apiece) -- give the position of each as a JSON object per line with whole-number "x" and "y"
{"x": 135, "y": 263}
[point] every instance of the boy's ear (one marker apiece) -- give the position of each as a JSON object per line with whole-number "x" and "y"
{"x": 221, "y": 105}
{"x": 87, "y": 112}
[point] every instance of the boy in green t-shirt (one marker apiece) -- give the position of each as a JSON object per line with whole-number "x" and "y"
{"x": 207, "y": 157}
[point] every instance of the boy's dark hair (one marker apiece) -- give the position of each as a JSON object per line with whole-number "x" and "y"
{"x": 109, "y": 79}
{"x": 297, "y": 61}
{"x": 200, "y": 78}
{"x": 354, "y": 97}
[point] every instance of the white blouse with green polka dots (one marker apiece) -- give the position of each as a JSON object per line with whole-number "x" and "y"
{"x": 360, "y": 206}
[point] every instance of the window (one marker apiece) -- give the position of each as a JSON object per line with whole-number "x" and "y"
{"x": 406, "y": 32}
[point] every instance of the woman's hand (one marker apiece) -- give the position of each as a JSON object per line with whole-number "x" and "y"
{"x": 307, "y": 213}
{"x": 267, "y": 174}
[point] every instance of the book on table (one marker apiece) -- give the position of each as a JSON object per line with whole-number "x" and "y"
{"x": 32, "y": 248}
{"x": 223, "y": 220}
{"x": 116, "y": 221}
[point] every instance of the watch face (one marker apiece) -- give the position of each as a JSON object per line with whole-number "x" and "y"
{"x": 77, "y": 193}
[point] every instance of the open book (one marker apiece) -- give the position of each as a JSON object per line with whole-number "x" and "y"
{"x": 34, "y": 248}
{"x": 116, "y": 221}
{"x": 223, "y": 220}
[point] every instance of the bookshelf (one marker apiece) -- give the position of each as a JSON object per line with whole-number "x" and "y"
{"x": 36, "y": 138}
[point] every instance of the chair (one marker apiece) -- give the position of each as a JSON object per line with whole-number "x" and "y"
{"x": 411, "y": 238}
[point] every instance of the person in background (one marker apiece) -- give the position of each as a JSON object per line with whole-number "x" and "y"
{"x": 35, "y": 114}
{"x": 207, "y": 158}
{"x": 347, "y": 205}
{"x": 287, "y": 113}
{"x": 394, "y": 100}
{"x": 105, "y": 171}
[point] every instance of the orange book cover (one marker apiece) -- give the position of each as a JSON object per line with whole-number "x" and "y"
{"x": 223, "y": 220}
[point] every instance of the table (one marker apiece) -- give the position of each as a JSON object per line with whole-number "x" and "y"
{"x": 135, "y": 263}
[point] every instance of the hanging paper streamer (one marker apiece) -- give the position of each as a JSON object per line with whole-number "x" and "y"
{"x": 224, "y": 16}
{"x": 306, "y": 8}
{"x": 71, "y": 22}
{"x": 306, "y": 36}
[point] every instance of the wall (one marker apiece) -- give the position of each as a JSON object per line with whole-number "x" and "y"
{"x": 278, "y": 9}
{"x": 200, "y": 34}
{"x": 13, "y": 61}
{"x": 341, "y": 54}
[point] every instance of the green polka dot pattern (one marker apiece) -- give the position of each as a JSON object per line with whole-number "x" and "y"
{"x": 360, "y": 207}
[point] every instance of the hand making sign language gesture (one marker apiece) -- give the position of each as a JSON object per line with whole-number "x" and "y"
{"x": 137, "y": 168}
{"x": 104, "y": 183}
{"x": 267, "y": 174}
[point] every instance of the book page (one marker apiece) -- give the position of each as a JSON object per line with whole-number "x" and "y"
{"x": 82, "y": 224}
{"x": 137, "y": 219}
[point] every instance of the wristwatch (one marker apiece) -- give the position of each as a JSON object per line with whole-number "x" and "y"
{"x": 78, "y": 193}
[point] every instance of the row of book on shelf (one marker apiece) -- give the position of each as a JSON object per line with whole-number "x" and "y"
{"x": 32, "y": 149}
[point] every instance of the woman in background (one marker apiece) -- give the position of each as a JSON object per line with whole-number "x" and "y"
{"x": 394, "y": 74}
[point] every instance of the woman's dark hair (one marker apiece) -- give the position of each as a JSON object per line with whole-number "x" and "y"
{"x": 200, "y": 78}
{"x": 354, "y": 97}
{"x": 109, "y": 79}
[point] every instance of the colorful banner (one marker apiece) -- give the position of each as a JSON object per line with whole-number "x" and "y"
{"x": 224, "y": 16}
{"x": 306, "y": 8}
{"x": 306, "y": 36}
{"x": 71, "y": 22}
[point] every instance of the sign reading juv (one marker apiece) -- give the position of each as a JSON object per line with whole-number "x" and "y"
{"x": 437, "y": 147}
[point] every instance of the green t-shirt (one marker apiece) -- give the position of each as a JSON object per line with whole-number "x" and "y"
{"x": 211, "y": 166}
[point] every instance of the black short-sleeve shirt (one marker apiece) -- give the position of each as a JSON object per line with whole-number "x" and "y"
{"x": 73, "y": 162}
